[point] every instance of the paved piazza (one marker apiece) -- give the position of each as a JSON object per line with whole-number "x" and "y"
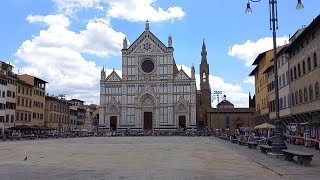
{"x": 143, "y": 158}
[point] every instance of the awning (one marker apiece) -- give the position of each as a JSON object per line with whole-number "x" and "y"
{"x": 265, "y": 126}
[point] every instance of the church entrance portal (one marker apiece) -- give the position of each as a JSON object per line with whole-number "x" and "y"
{"x": 182, "y": 122}
{"x": 147, "y": 120}
{"x": 113, "y": 123}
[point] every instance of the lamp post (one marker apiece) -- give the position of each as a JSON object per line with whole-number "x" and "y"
{"x": 278, "y": 143}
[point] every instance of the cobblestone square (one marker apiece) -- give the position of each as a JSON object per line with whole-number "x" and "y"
{"x": 143, "y": 158}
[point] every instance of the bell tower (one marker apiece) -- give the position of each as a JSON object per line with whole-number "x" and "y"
{"x": 204, "y": 79}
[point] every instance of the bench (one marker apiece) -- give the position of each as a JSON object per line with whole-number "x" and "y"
{"x": 252, "y": 145}
{"x": 242, "y": 143}
{"x": 265, "y": 148}
{"x": 13, "y": 137}
{"x": 303, "y": 158}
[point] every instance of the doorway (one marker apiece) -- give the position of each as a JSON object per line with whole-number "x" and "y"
{"x": 113, "y": 123}
{"x": 147, "y": 121}
{"x": 201, "y": 125}
{"x": 182, "y": 122}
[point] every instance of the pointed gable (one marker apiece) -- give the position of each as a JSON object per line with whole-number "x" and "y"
{"x": 182, "y": 75}
{"x": 113, "y": 77}
{"x": 148, "y": 90}
{"x": 147, "y": 42}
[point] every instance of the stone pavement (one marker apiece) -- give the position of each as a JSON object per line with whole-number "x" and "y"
{"x": 285, "y": 169}
{"x": 143, "y": 158}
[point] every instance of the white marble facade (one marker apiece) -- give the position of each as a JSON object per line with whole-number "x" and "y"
{"x": 152, "y": 94}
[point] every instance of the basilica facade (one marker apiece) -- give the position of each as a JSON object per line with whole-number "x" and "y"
{"x": 152, "y": 93}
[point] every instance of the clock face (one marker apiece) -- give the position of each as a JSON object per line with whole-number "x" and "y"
{"x": 147, "y": 66}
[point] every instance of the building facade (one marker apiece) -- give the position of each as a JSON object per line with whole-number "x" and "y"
{"x": 152, "y": 94}
{"x": 78, "y": 109}
{"x": 3, "y": 91}
{"x": 57, "y": 114}
{"x": 38, "y": 97}
{"x": 24, "y": 107}
{"x": 303, "y": 58}
{"x": 284, "y": 82}
{"x": 11, "y": 95}
{"x": 227, "y": 117}
{"x": 263, "y": 86}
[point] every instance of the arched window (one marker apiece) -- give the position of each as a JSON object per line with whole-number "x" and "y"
{"x": 204, "y": 77}
{"x": 316, "y": 89}
{"x": 296, "y": 97}
{"x": 295, "y": 72}
{"x": 315, "y": 61}
{"x": 299, "y": 70}
{"x": 284, "y": 102}
{"x": 292, "y": 99}
{"x": 304, "y": 67}
{"x": 291, "y": 75}
{"x": 310, "y": 93}
{"x": 281, "y": 103}
{"x": 305, "y": 94}
{"x": 300, "y": 96}
{"x": 309, "y": 64}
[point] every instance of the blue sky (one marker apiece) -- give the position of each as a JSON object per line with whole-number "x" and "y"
{"x": 66, "y": 42}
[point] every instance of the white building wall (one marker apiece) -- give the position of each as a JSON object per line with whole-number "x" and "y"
{"x": 283, "y": 81}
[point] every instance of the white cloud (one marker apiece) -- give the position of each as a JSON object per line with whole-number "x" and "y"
{"x": 141, "y": 10}
{"x": 249, "y": 80}
{"x": 130, "y": 10}
{"x": 97, "y": 39}
{"x": 55, "y": 55}
{"x": 233, "y": 92}
{"x": 52, "y": 19}
{"x": 69, "y": 7}
{"x": 249, "y": 50}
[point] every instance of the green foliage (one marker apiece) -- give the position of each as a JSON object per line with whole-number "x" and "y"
{"x": 4, "y": 66}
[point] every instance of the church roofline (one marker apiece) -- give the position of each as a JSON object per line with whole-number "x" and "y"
{"x": 181, "y": 70}
{"x": 115, "y": 74}
{"x": 144, "y": 33}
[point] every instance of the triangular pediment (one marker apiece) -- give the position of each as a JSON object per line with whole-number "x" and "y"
{"x": 182, "y": 75}
{"x": 147, "y": 43}
{"x": 148, "y": 90}
{"x": 182, "y": 105}
{"x": 113, "y": 77}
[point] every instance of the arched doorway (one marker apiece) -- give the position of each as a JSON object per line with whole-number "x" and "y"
{"x": 182, "y": 122}
{"x": 147, "y": 110}
{"x": 113, "y": 123}
{"x": 238, "y": 123}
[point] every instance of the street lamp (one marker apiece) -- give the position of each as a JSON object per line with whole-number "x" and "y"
{"x": 278, "y": 143}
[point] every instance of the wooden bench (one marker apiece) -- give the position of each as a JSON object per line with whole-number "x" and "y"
{"x": 303, "y": 158}
{"x": 265, "y": 148}
{"x": 252, "y": 145}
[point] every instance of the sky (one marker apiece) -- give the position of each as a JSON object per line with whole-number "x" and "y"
{"x": 67, "y": 42}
